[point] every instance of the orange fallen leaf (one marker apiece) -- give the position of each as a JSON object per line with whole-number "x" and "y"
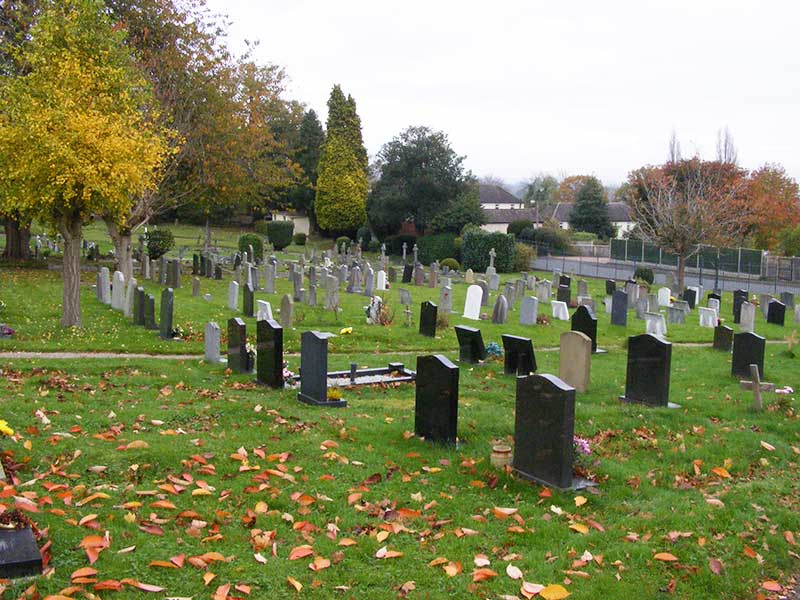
{"x": 301, "y": 552}
{"x": 319, "y": 563}
{"x": 84, "y": 572}
{"x": 665, "y": 557}
{"x": 772, "y": 586}
{"x": 294, "y": 583}
{"x": 767, "y": 446}
{"x": 580, "y": 500}
{"x": 503, "y": 513}
{"x": 483, "y": 574}
{"x": 452, "y": 568}
{"x": 554, "y": 592}
{"x": 722, "y": 472}
{"x": 384, "y": 553}
{"x": 716, "y": 566}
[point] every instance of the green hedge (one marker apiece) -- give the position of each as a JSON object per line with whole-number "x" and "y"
{"x": 252, "y": 239}
{"x": 280, "y": 233}
{"x": 476, "y": 247}
{"x": 436, "y": 247}
{"x": 299, "y": 239}
{"x": 394, "y": 244}
{"x": 518, "y": 226}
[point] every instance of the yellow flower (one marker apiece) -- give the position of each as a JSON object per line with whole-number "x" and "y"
{"x": 5, "y": 429}
{"x": 346, "y": 331}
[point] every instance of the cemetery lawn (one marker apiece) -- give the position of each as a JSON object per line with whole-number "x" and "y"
{"x": 198, "y": 475}
{"x": 33, "y": 309}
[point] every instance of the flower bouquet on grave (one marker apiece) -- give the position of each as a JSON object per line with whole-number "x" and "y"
{"x": 251, "y": 356}
{"x": 6, "y": 331}
{"x": 542, "y": 320}
{"x": 582, "y": 449}
{"x": 493, "y": 351}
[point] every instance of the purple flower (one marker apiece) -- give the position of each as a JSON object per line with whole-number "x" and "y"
{"x": 581, "y": 445}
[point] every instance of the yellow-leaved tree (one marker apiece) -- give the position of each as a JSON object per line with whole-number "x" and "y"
{"x": 77, "y": 132}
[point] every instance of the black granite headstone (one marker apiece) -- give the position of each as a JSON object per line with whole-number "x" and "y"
{"x": 408, "y": 273}
{"x": 716, "y": 296}
{"x": 195, "y": 264}
{"x": 690, "y": 296}
{"x": 583, "y": 320}
{"x": 519, "y": 358}
{"x": 748, "y": 349}
{"x": 427, "y": 319}
{"x": 19, "y": 553}
{"x": 723, "y": 338}
{"x": 138, "y": 306}
{"x": 649, "y": 362}
{"x": 237, "y": 346}
{"x": 544, "y": 427}
{"x": 564, "y": 280}
{"x": 563, "y": 294}
{"x": 248, "y": 301}
{"x": 436, "y": 406}
{"x": 619, "y": 308}
{"x": 150, "y": 312}
{"x": 776, "y": 313}
{"x": 470, "y": 344}
{"x": 218, "y": 273}
{"x": 611, "y": 287}
{"x": 739, "y": 298}
{"x": 165, "y": 320}
{"x": 269, "y": 354}
{"x": 314, "y": 370}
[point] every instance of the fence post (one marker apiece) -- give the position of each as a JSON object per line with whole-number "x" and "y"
{"x": 739, "y": 263}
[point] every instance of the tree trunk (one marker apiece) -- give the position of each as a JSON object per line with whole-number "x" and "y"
{"x": 207, "y": 246}
{"x": 72, "y": 232}
{"x": 18, "y": 240}
{"x": 122, "y": 238}
{"x": 681, "y": 273}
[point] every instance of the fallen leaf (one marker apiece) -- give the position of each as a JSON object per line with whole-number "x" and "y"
{"x": 483, "y": 574}
{"x": 301, "y": 552}
{"x": 580, "y": 500}
{"x": 294, "y": 583}
{"x": 554, "y": 592}
{"x": 767, "y": 446}
{"x": 772, "y": 586}
{"x": 513, "y": 572}
{"x": 665, "y": 557}
{"x": 716, "y": 566}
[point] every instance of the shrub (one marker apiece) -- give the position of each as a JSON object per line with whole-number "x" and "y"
{"x": 261, "y": 227}
{"x": 523, "y": 257}
{"x": 365, "y": 235}
{"x": 458, "y": 243}
{"x": 280, "y": 233}
{"x": 343, "y": 239}
{"x": 450, "y": 263}
{"x": 436, "y": 247}
{"x": 299, "y": 239}
{"x": 254, "y": 240}
{"x": 517, "y": 227}
{"x": 645, "y": 274}
{"x": 374, "y": 246}
{"x": 583, "y": 236}
{"x": 547, "y": 239}
{"x": 159, "y": 242}
{"x": 394, "y": 243}
{"x": 477, "y": 244}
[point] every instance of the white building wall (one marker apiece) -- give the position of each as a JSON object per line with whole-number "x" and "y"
{"x": 302, "y": 224}
{"x": 495, "y": 227}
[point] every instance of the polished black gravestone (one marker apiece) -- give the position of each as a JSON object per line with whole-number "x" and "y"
{"x": 519, "y": 358}
{"x": 748, "y": 349}
{"x": 269, "y": 355}
{"x": 427, "y": 319}
{"x": 776, "y": 313}
{"x": 138, "y": 306}
{"x": 564, "y": 280}
{"x": 611, "y": 287}
{"x": 739, "y": 298}
{"x": 150, "y": 312}
{"x": 690, "y": 296}
{"x": 563, "y": 294}
{"x": 583, "y": 320}
{"x": 723, "y": 338}
{"x": 647, "y": 378}
{"x": 165, "y": 315}
{"x": 314, "y": 370}
{"x": 408, "y": 273}
{"x": 718, "y": 297}
{"x": 218, "y": 273}
{"x": 544, "y": 426}
{"x": 436, "y": 406}
{"x": 619, "y": 308}
{"x": 248, "y": 301}
{"x": 470, "y": 344}
{"x": 237, "y": 346}
{"x": 195, "y": 264}
{"x": 19, "y": 554}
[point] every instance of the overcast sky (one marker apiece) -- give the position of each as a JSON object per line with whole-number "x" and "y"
{"x": 576, "y": 87}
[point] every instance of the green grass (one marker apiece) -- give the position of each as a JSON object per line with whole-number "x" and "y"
{"x": 645, "y": 461}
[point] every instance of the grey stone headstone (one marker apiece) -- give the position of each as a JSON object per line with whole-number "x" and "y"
{"x": 287, "y": 311}
{"x": 583, "y": 288}
{"x": 195, "y": 287}
{"x": 150, "y": 312}
{"x": 763, "y": 302}
{"x": 405, "y": 297}
{"x": 162, "y": 270}
{"x": 485, "y": 289}
{"x": 529, "y": 310}
{"x": 129, "y": 294}
{"x": 510, "y": 292}
{"x": 331, "y": 293}
{"x": 544, "y": 290}
{"x": 575, "y": 360}
{"x": 747, "y": 317}
{"x": 104, "y": 286}
{"x": 446, "y": 299}
{"x": 233, "y": 295}
{"x": 619, "y": 308}
{"x": 748, "y": 349}
{"x": 248, "y": 301}
{"x": 166, "y": 314}
{"x": 138, "y": 306}
{"x": 118, "y": 291}
{"x": 211, "y": 343}
{"x": 500, "y": 310}
{"x": 269, "y": 353}
{"x": 739, "y": 297}
{"x": 436, "y": 405}
{"x": 237, "y": 346}
{"x": 676, "y": 315}
{"x": 788, "y": 300}
{"x": 544, "y": 426}
{"x": 648, "y": 374}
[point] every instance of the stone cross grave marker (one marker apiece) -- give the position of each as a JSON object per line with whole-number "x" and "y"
{"x": 757, "y": 387}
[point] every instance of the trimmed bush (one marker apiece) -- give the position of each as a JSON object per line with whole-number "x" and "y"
{"x": 478, "y": 243}
{"x": 254, "y": 240}
{"x": 583, "y": 236}
{"x": 645, "y": 274}
{"x": 547, "y": 239}
{"x": 523, "y": 257}
{"x": 450, "y": 263}
{"x": 343, "y": 239}
{"x": 159, "y": 242}
{"x": 365, "y": 235}
{"x": 261, "y": 227}
{"x": 299, "y": 239}
{"x": 517, "y": 227}
{"x": 280, "y": 233}
{"x": 394, "y": 243}
{"x": 436, "y": 247}
{"x": 374, "y": 246}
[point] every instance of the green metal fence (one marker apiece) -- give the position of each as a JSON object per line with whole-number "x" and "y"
{"x": 733, "y": 260}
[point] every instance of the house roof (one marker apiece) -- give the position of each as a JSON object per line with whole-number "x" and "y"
{"x": 618, "y": 212}
{"x": 493, "y": 194}
{"x": 499, "y": 216}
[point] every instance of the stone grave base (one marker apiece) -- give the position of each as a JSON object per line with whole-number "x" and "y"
{"x": 669, "y": 404}
{"x": 392, "y": 373}
{"x": 600, "y": 351}
{"x": 314, "y": 402}
{"x": 578, "y": 483}
{"x": 19, "y": 554}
